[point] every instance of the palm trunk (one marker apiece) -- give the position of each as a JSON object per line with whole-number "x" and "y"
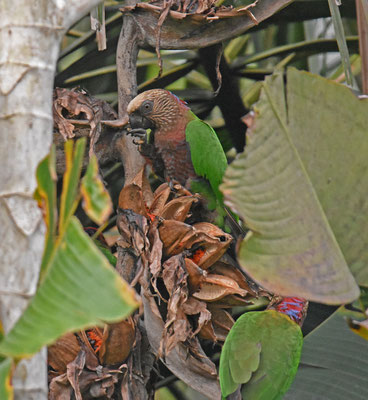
{"x": 30, "y": 34}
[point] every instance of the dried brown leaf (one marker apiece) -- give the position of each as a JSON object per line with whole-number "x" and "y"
{"x": 192, "y": 307}
{"x": 133, "y": 247}
{"x": 142, "y": 181}
{"x": 75, "y": 369}
{"x": 223, "y": 268}
{"x": 172, "y": 234}
{"x": 197, "y": 11}
{"x": 160, "y": 198}
{"x": 131, "y": 198}
{"x": 231, "y": 301}
{"x": 195, "y": 275}
{"x": 222, "y": 319}
{"x": 62, "y": 352}
{"x": 60, "y": 389}
{"x": 215, "y": 287}
{"x": 75, "y": 102}
{"x": 155, "y": 255}
{"x": 199, "y": 373}
{"x": 178, "y": 209}
{"x": 179, "y": 331}
{"x": 219, "y": 326}
{"x": 207, "y": 332}
{"x": 133, "y": 228}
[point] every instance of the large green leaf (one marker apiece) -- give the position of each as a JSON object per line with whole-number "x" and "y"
{"x": 334, "y": 363}
{"x": 73, "y": 166}
{"x": 261, "y": 351}
{"x": 301, "y": 187}
{"x": 329, "y": 129}
{"x": 96, "y": 200}
{"x": 80, "y": 289}
{"x": 6, "y": 390}
{"x": 46, "y": 199}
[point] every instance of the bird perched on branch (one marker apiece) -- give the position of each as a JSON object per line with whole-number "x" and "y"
{"x": 188, "y": 147}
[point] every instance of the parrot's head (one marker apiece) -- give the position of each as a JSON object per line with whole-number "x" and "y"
{"x": 157, "y": 109}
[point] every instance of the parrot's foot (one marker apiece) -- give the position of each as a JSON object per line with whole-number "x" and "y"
{"x": 139, "y": 142}
{"x": 138, "y": 132}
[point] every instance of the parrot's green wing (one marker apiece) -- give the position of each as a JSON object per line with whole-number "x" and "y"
{"x": 208, "y": 157}
{"x": 261, "y": 352}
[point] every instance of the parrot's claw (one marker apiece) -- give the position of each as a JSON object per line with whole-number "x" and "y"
{"x": 139, "y": 141}
{"x": 138, "y": 132}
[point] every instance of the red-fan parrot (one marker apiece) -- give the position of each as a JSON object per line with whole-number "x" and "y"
{"x": 188, "y": 147}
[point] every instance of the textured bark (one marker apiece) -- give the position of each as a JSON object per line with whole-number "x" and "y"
{"x": 189, "y": 34}
{"x": 126, "y": 58}
{"x": 30, "y": 34}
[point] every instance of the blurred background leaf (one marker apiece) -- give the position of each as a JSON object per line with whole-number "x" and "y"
{"x": 6, "y": 390}
{"x": 333, "y": 363}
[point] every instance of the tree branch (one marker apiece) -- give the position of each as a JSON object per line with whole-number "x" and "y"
{"x": 189, "y": 34}
{"x": 126, "y": 59}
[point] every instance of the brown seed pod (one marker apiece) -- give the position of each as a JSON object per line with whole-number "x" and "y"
{"x": 62, "y": 352}
{"x": 117, "y": 342}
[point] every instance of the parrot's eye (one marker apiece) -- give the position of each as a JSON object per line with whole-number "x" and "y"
{"x": 146, "y": 107}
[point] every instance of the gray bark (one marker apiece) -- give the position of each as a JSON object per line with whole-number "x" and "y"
{"x": 30, "y": 34}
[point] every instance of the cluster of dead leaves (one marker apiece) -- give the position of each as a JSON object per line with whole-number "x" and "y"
{"x": 80, "y": 364}
{"x": 198, "y": 10}
{"x": 75, "y": 107}
{"x": 188, "y": 283}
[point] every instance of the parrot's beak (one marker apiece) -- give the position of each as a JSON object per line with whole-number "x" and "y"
{"x": 137, "y": 121}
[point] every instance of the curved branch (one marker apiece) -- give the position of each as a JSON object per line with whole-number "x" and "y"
{"x": 126, "y": 58}
{"x": 189, "y": 34}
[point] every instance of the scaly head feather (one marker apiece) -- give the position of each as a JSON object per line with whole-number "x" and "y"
{"x": 160, "y": 108}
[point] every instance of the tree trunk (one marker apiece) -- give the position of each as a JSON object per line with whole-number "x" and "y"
{"x": 30, "y": 34}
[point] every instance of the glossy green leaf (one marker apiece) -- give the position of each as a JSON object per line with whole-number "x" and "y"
{"x": 262, "y": 352}
{"x": 81, "y": 289}
{"x": 292, "y": 188}
{"x": 73, "y": 166}
{"x": 334, "y": 363}
{"x": 96, "y": 200}
{"x": 6, "y": 389}
{"x": 46, "y": 198}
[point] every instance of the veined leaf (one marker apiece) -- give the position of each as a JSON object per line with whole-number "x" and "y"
{"x": 73, "y": 167}
{"x": 81, "y": 289}
{"x": 6, "y": 389}
{"x": 333, "y": 147}
{"x": 301, "y": 187}
{"x": 96, "y": 200}
{"x": 262, "y": 352}
{"x": 46, "y": 198}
